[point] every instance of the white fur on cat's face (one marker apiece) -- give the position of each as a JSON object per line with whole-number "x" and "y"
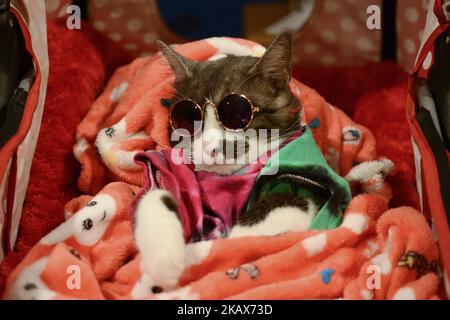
{"x": 207, "y": 147}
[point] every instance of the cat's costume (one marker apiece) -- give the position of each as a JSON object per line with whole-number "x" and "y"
{"x": 93, "y": 255}
{"x": 209, "y": 204}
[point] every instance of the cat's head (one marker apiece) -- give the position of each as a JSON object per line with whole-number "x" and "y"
{"x": 264, "y": 81}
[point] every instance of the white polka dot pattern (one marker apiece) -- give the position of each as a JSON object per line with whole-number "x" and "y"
{"x": 348, "y": 24}
{"x": 405, "y": 294}
{"x": 100, "y": 3}
{"x": 338, "y": 29}
{"x": 134, "y": 25}
{"x": 365, "y": 44}
{"x": 411, "y": 16}
{"x": 129, "y": 25}
{"x": 52, "y": 5}
{"x": 56, "y": 8}
{"x": 99, "y": 25}
{"x": 315, "y": 245}
{"x": 117, "y": 12}
{"x": 331, "y": 6}
{"x": 366, "y": 294}
{"x": 355, "y": 222}
{"x": 337, "y": 35}
{"x": 410, "y": 46}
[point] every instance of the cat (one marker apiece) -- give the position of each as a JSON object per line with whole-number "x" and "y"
{"x": 265, "y": 82}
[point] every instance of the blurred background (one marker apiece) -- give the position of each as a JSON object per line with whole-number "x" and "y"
{"x": 327, "y": 32}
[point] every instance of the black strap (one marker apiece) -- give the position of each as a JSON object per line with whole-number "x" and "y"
{"x": 83, "y": 7}
{"x": 12, "y": 116}
{"x": 15, "y": 61}
{"x": 4, "y": 5}
{"x": 425, "y": 121}
{"x": 389, "y": 30}
{"x": 439, "y": 80}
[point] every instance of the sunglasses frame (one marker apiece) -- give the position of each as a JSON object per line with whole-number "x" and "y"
{"x": 197, "y": 106}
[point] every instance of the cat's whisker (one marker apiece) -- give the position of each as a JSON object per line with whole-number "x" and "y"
{"x": 181, "y": 96}
{"x": 288, "y": 131}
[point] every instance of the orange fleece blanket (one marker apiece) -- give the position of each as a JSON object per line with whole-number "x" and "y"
{"x": 377, "y": 253}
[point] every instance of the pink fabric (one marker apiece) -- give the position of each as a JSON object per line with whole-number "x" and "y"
{"x": 208, "y": 203}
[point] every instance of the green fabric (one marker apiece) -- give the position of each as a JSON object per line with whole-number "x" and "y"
{"x": 303, "y": 158}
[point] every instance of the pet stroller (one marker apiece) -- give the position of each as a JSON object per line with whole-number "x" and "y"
{"x": 37, "y": 130}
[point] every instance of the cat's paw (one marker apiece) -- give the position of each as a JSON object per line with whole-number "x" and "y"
{"x": 368, "y": 170}
{"x": 159, "y": 238}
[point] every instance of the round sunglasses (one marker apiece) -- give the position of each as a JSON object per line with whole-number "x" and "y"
{"x": 234, "y": 111}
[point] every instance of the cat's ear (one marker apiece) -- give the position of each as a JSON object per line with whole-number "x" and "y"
{"x": 276, "y": 63}
{"x": 179, "y": 64}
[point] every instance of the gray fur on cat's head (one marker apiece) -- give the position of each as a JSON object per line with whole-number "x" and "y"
{"x": 265, "y": 81}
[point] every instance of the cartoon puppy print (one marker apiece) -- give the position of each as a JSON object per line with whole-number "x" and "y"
{"x": 351, "y": 135}
{"x": 90, "y": 222}
{"x": 251, "y": 269}
{"x": 29, "y": 285}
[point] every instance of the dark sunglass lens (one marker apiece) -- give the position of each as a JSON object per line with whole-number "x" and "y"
{"x": 184, "y": 115}
{"x": 235, "y": 112}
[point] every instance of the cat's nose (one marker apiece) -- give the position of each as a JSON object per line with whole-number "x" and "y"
{"x": 214, "y": 152}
